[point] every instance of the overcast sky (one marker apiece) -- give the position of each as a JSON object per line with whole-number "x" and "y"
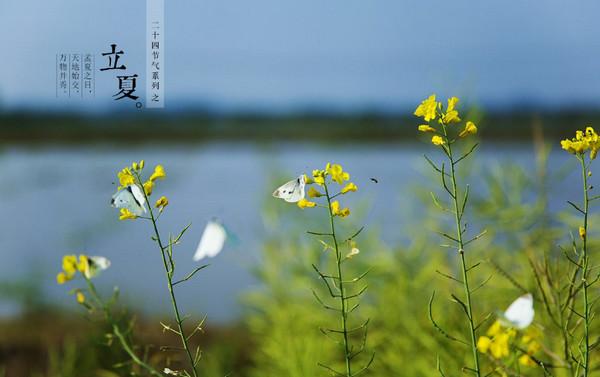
{"x": 279, "y": 55}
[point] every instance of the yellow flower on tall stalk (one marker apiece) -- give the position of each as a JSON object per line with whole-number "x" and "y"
{"x": 500, "y": 340}
{"x": 427, "y": 109}
{"x": 126, "y": 214}
{"x": 445, "y": 136}
{"x": 430, "y": 109}
{"x": 303, "y": 203}
{"x": 69, "y": 264}
{"x": 348, "y": 188}
{"x": 337, "y": 211}
{"x": 135, "y": 203}
{"x": 584, "y": 141}
{"x": 314, "y": 193}
{"x": 125, "y": 178}
{"x": 337, "y": 173}
{"x": 426, "y": 128}
{"x": 159, "y": 173}
{"x": 451, "y": 114}
{"x": 80, "y": 297}
{"x": 318, "y": 177}
{"x": 470, "y": 129}
{"x": 162, "y": 202}
{"x": 437, "y": 140}
{"x": 333, "y": 182}
{"x": 87, "y": 266}
{"x": 148, "y": 187}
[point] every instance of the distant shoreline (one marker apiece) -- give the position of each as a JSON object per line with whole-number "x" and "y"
{"x": 191, "y": 128}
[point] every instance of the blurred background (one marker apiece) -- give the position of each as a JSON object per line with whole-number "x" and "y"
{"x": 257, "y": 93}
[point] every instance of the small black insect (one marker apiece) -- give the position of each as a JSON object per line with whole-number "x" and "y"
{"x": 374, "y": 180}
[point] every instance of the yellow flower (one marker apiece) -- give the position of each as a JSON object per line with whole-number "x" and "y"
{"x": 162, "y": 202}
{"x": 148, "y": 186}
{"x": 126, "y": 215}
{"x": 134, "y": 166}
{"x": 308, "y": 180}
{"x": 452, "y": 101}
{"x": 319, "y": 176}
{"x": 314, "y": 193}
{"x": 593, "y": 140}
{"x": 495, "y": 329}
{"x": 427, "y": 109}
{"x": 336, "y": 211}
{"x": 582, "y": 232}
{"x": 337, "y": 173}
{"x": 437, "y": 140}
{"x": 499, "y": 348}
{"x": 83, "y": 264}
{"x": 69, "y": 265}
{"x": 497, "y": 341}
{"x": 80, "y": 297}
{"x": 451, "y": 115}
{"x": 62, "y": 278}
{"x": 349, "y": 187}
{"x": 483, "y": 344}
{"x": 125, "y": 178}
{"x": 527, "y": 361}
{"x": 583, "y": 141}
{"x": 141, "y": 164}
{"x": 470, "y": 129}
{"x": 303, "y": 203}
{"x": 426, "y": 128}
{"x": 159, "y": 173}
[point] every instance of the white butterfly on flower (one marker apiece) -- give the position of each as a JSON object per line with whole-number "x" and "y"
{"x": 95, "y": 265}
{"x": 131, "y": 198}
{"x": 520, "y": 313}
{"x": 292, "y": 191}
{"x": 212, "y": 241}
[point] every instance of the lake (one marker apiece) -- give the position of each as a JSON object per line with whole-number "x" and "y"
{"x": 56, "y": 200}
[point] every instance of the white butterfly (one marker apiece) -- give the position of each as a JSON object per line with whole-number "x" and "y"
{"x": 520, "y": 313}
{"x": 212, "y": 241}
{"x": 95, "y": 265}
{"x": 292, "y": 191}
{"x": 132, "y": 198}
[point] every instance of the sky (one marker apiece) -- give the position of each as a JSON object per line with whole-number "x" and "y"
{"x": 278, "y": 55}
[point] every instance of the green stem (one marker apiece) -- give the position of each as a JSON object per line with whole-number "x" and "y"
{"x": 586, "y": 308}
{"x": 169, "y": 275}
{"x": 117, "y": 331}
{"x": 338, "y": 258}
{"x": 461, "y": 252}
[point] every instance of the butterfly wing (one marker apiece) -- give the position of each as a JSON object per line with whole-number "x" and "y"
{"x": 131, "y": 198}
{"x": 212, "y": 241}
{"x": 139, "y": 196}
{"x": 520, "y": 313}
{"x": 291, "y": 191}
{"x": 95, "y": 265}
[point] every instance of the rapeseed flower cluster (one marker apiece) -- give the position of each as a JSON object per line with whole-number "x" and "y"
{"x": 430, "y": 109}
{"x": 582, "y": 142}
{"x": 499, "y": 340}
{"x": 332, "y": 174}
{"x": 133, "y": 192}
{"x": 87, "y": 266}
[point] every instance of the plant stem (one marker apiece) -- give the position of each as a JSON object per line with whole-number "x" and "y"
{"x": 586, "y": 308}
{"x": 117, "y": 331}
{"x": 338, "y": 258}
{"x": 169, "y": 275}
{"x": 461, "y": 252}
